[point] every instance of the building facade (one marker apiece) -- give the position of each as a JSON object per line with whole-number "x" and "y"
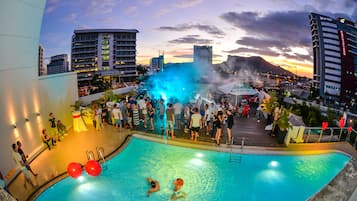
{"x": 41, "y": 68}
{"x": 109, "y": 54}
{"x": 157, "y": 64}
{"x": 202, "y": 55}
{"x": 335, "y": 58}
{"x": 58, "y": 64}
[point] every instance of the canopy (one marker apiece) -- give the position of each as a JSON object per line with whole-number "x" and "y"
{"x": 237, "y": 89}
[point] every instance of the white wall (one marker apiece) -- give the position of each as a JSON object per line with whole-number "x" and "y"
{"x": 20, "y": 23}
{"x": 86, "y": 100}
{"x": 22, "y": 93}
{"x": 58, "y": 92}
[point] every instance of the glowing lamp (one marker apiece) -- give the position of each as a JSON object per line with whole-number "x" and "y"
{"x": 349, "y": 129}
{"x": 342, "y": 122}
{"x": 93, "y": 168}
{"x": 74, "y": 170}
{"x": 324, "y": 125}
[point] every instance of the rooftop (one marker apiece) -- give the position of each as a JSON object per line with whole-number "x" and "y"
{"x": 51, "y": 165}
{"x": 106, "y": 31}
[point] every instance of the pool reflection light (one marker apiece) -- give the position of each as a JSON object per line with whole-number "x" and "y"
{"x": 81, "y": 179}
{"x": 273, "y": 164}
{"x": 200, "y": 155}
{"x": 196, "y": 161}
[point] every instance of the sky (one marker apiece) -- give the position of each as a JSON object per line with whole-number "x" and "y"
{"x": 277, "y": 30}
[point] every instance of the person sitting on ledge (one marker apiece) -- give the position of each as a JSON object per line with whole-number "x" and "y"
{"x": 47, "y": 139}
{"x": 61, "y": 128}
{"x": 154, "y": 186}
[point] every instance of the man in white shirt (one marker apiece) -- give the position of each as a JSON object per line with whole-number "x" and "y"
{"x": 195, "y": 124}
{"x": 143, "y": 110}
{"x": 117, "y": 115}
{"x": 21, "y": 165}
{"x": 178, "y": 112}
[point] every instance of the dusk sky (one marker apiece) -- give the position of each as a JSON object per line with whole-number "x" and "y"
{"x": 277, "y": 30}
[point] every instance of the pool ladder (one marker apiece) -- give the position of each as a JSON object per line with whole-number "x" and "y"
{"x": 237, "y": 159}
{"x": 100, "y": 154}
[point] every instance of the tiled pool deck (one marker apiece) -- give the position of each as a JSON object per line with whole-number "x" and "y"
{"x": 50, "y": 164}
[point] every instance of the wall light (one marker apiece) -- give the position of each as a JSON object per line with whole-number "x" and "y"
{"x": 14, "y": 125}
{"x": 27, "y": 119}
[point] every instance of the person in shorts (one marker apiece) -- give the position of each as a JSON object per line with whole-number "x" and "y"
{"x": 170, "y": 121}
{"x": 195, "y": 124}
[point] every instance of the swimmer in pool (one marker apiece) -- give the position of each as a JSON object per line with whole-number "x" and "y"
{"x": 154, "y": 186}
{"x": 178, "y": 183}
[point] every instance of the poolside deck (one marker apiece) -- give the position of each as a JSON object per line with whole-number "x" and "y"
{"x": 73, "y": 147}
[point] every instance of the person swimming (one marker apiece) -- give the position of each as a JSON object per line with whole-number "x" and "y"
{"x": 178, "y": 183}
{"x": 154, "y": 186}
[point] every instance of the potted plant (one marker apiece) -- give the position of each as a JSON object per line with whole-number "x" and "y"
{"x": 76, "y": 106}
{"x": 283, "y": 124}
{"x": 269, "y": 105}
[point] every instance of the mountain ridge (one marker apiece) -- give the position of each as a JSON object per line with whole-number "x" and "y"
{"x": 253, "y": 63}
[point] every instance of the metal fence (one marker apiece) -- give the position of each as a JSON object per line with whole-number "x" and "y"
{"x": 330, "y": 134}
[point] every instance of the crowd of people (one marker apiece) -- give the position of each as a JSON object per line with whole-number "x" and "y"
{"x": 202, "y": 116}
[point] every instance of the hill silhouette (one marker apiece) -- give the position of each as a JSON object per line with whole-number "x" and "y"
{"x": 254, "y": 64}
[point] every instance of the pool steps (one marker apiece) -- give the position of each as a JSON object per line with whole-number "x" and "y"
{"x": 234, "y": 157}
{"x": 100, "y": 156}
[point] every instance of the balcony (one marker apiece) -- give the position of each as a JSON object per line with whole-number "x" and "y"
{"x": 77, "y": 51}
{"x": 125, "y": 66}
{"x": 74, "y": 56}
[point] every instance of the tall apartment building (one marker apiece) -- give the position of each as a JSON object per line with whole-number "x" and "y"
{"x": 58, "y": 64}
{"x": 202, "y": 55}
{"x": 335, "y": 58}
{"x": 108, "y": 53}
{"x": 157, "y": 64}
{"x": 41, "y": 68}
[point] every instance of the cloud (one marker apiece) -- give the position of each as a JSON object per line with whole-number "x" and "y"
{"x": 146, "y": 2}
{"x": 99, "y": 7}
{"x": 106, "y": 20}
{"x": 70, "y": 17}
{"x": 211, "y": 29}
{"x": 265, "y": 52}
{"x": 291, "y": 27}
{"x": 131, "y": 9}
{"x": 51, "y": 6}
{"x": 191, "y": 39}
{"x": 178, "y": 5}
{"x": 261, "y": 43}
{"x": 163, "y": 11}
{"x": 187, "y": 3}
{"x": 185, "y": 56}
{"x": 297, "y": 56}
{"x": 275, "y": 34}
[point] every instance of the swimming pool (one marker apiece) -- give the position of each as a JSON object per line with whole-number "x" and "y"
{"x": 208, "y": 175}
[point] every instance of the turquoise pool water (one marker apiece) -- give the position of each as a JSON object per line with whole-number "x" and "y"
{"x": 208, "y": 176}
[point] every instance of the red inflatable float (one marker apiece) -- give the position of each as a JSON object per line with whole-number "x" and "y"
{"x": 74, "y": 170}
{"x": 93, "y": 168}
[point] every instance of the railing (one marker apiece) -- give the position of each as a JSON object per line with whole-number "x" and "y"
{"x": 90, "y": 155}
{"x": 330, "y": 134}
{"x": 100, "y": 153}
{"x": 237, "y": 159}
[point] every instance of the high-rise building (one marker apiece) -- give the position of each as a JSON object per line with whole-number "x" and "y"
{"x": 157, "y": 64}
{"x": 41, "y": 68}
{"x": 202, "y": 55}
{"x": 335, "y": 58}
{"x": 108, "y": 53}
{"x": 58, "y": 64}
